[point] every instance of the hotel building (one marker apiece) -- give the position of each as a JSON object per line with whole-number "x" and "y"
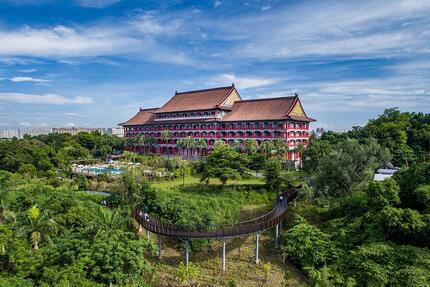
{"x": 217, "y": 114}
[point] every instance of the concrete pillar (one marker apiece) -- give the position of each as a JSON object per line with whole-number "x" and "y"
{"x": 223, "y": 256}
{"x": 257, "y": 247}
{"x": 187, "y": 253}
{"x": 159, "y": 245}
{"x": 277, "y": 236}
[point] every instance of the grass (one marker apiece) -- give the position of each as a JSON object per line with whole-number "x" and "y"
{"x": 193, "y": 180}
{"x": 238, "y": 200}
{"x": 240, "y": 264}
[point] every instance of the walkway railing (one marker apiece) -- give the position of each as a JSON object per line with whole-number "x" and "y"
{"x": 266, "y": 221}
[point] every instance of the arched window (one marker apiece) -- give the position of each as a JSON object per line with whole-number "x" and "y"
{"x": 239, "y": 134}
{"x": 266, "y": 134}
{"x": 248, "y": 134}
{"x": 231, "y": 134}
{"x": 257, "y": 133}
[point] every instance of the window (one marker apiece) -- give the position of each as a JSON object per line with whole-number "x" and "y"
{"x": 248, "y": 125}
{"x": 256, "y": 125}
{"x": 239, "y": 125}
{"x": 231, "y": 125}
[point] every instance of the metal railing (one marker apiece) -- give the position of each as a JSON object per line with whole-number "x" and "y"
{"x": 266, "y": 221}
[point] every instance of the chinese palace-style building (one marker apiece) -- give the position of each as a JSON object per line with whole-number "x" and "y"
{"x": 216, "y": 114}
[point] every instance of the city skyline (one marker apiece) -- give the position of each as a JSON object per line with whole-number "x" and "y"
{"x": 93, "y": 63}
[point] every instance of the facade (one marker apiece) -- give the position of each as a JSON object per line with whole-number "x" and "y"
{"x": 74, "y": 131}
{"x": 9, "y": 134}
{"x": 117, "y": 131}
{"x": 32, "y": 132}
{"x": 216, "y": 114}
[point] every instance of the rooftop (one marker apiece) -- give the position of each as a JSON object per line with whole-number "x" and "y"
{"x": 197, "y": 100}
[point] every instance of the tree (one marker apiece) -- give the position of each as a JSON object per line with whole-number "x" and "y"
{"x": 308, "y": 246}
{"x": 272, "y": 174}
{"x": 348, "y": 164}
{"x": 201, "y": 144}
{"x": 107, "y": 224}
{"x": 39, "y": 228}
{"x": 190, "y": 143}
{"x": 223, "y": 163}
{"x": 187, "y": 273}
{"x": 251, "y": 146}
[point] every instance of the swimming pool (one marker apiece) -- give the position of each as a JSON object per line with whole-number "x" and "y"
{"x": 103, "y": 170}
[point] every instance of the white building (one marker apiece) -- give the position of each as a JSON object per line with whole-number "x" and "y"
{"x": 117, "y": 131}
{"x": 8, "y": 134}
{"x": 34, "y": 132}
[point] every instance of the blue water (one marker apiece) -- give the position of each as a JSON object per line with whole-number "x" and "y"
{"x": 105, "y": 170}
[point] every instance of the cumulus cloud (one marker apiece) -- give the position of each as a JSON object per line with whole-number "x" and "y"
{"x": 51, "y": 99}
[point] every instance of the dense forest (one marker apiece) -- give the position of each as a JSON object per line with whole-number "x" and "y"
{"x": 346, "y": 229}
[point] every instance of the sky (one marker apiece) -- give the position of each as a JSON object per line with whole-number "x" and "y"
{"x": 93, "y": 63}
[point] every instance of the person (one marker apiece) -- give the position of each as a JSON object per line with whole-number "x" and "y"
{"x": 146, "y": 217}
{"x": 281, "y": 198}
{"x": 140, "y": 213}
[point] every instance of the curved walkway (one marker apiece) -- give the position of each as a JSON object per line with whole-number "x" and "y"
{"x": 268, "y": 220}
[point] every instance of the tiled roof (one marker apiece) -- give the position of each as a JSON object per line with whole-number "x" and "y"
{"x": 264, "y": 109}
{"x": 196, "y": 100}
{"x": 144, "y": 116}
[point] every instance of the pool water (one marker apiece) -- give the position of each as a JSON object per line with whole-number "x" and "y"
{"x": 102, "y": 170}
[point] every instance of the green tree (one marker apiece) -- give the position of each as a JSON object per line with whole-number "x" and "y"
{"x": 224, "y": 163}
{"x": 39, "y": 228}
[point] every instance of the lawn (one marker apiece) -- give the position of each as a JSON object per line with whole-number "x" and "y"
{"x": 193, "y": 180}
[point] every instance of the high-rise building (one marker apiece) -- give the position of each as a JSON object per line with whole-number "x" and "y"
{"x": 8, "y": 134}
{"x": 73, "y": 131}
{"x": 117, "y": 131}
{"x": 217, "y": 114}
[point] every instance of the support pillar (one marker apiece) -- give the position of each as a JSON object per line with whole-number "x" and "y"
{"x": 187, "y": 253}
{"x": 277, "y": 236}
{"x": 257, "y": 247}
{"x": 159, "y": 245}
{"x": 147, "y": 233}
{"x": 223, "y": 256}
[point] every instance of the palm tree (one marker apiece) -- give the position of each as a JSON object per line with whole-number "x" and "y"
{"x": 201, "y": 144}
{"x": 280, "y": 147}
{"x": 39, "y": 228}
{"x": 251, "y": 145}
{"x": 190, "y": 144}
{"x": 267, "y": 148}
{"x": 107, "y": 223}
{"x": 150, "y": 141}
{"x": 141, "y": 140}
{"x": 299, "y": 149}
{"x": 182, "y": 145}
{"x": 166, "y": 135}
{"x": 218, "y": 142}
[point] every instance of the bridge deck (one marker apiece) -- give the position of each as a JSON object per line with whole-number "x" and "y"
{"x": 268, "y": 220}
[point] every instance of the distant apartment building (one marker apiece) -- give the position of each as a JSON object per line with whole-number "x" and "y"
{"x": 73, "y": 131}
{"x": 34, "y": 132}
{"x": 118, "y": 131}
{"x": 9, "y": 134}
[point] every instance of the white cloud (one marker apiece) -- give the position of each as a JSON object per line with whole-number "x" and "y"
{"x": 71, "y": 124}
{"x": 28, "y": 79}
{"x": 329, "y": 28}
{"x": 72, "y": 114}
{"x": 63, "y": 43}
{"x": 25, "y": 124}
{"x": 52, "y": 99}
{"x": 242, "y": 82}
{"x": 96, "y": 3}
{"x": 28, "y": 70}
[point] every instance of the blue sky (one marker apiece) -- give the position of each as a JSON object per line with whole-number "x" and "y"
{"x": 95, "y": 62}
